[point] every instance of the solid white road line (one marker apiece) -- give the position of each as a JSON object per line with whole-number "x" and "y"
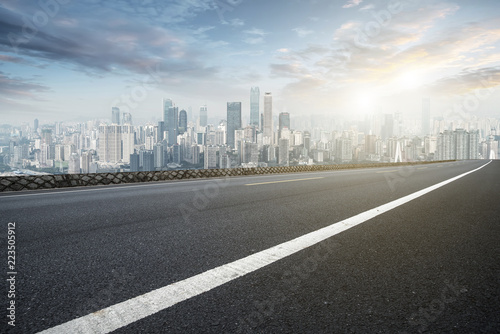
{"x": 129, "y": 311}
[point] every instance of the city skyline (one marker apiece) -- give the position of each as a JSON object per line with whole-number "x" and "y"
{"x": 72, "y": 61}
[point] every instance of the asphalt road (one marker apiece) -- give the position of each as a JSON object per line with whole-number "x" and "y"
{"x": 429, "y": 265}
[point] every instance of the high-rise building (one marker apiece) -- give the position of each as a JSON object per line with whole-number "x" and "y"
{"x": 176, "y": 153}
{"x": 35, "y": 125}
{"x": 128, "y": 141}
{"x": 159, "y": 152}
{"x": 233, "y": 121}
{"x": 473, "y": 144}
{"x": 47, "y": 136}
{"x": 203, "y": 115}
{"x": 268, "y": 115}
{"x": 115, "y": 115}
{"x": 86, "y": 160}
{"x": 110, "y": 143}
{"x": 461, "y": 144}
{"x": 74, "y": 164}
{"x": 127, "y": 118}
{"x": 426, "y": 116}
{"x": 148, "y": 161}
{"x": 283, "y": 158}
{"x": 254, "y": 106}
{"x": 171, "y": 119}
{"x": 284, "y": 122}
{"x": 458, "y": 144}
{"x": 182, "y": 121}
{"x": 388, "y": 127}
{"x": 249, "y": 152}
{"x": 343, "y": 149}
{"x": 370, "y": 141}
{"x": 161, "y": 129}
{"x": 134, "y": 162}
{"x": 210, "y": 157}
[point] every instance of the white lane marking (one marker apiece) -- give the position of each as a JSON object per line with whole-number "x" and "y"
{"x": 129, "y": 311}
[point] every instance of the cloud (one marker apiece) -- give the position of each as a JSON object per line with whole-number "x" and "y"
{"x": 403, "y": 45}
{"x": 466, "y": 81}
{"x": 352, "y": 3}
{"x": 14, "y": 87}
{"x": 256, "y": 36}
{"x": 12, "y": 59}
{"x": 367, "y": 7}
{"x": 254, "y": 40}
{"x": 107, "y": 42}
{"x": 235, "y": 22}
{"x": 256, "y": 31}
{"x": 301, "y": 32}
{"x": 288, "y": 70}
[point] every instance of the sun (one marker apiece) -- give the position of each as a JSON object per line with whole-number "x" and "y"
{"x": 410, "y": 80}
{"x": 365, "y": 102}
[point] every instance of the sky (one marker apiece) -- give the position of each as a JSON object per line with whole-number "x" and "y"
{"x": 68, "y": 60}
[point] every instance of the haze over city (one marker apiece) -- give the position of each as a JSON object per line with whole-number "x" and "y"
{"x": 74, "y": 61}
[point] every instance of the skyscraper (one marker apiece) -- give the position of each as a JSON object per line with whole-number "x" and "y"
{"x": 127, "y": 118}
{"x": 388, "y": 127}
{"x": 115, "y": 115}
{"x": 254, "y": 106}
{"x": 47, "y": 136}
{"x": 171, "y": 119}
{"x": 182, "y": 121}
{"x": 284, "y": 122}
{"x": 233, "y": 121}
{"x": 161, "y": 129}
{"x": 426, "y": 116}
{"x": 128, "y": 141}
{"x": 283, "y": 157}
{"x": 74, "y": 164}
{"x": 110, "y": 143}
{"x": 203, "y": 115}
{"x": 268, "y": 115}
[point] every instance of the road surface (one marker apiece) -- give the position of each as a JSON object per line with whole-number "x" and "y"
{"x": 426, "y": 263}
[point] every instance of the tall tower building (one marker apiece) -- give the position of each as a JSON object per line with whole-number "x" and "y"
{"x": 115, "y": 115}
{"x": 233, "y": 121}
{"x": 182, "y": 121}
{"x": 127, "y": 118}
{"x": 283, "y": 157}
{"x": 110, "y": 143}
{"x": 426, "y": 116}
{"x": 254, "y": 106}
{"x": 203, "y": 115}
{"x": 74, "y": 164}
{"x": 284, "y": 122}
{"x": 268, "y": 115}
{"x": 128, "y": 141}
{"x": 171, "y": 119}
{"x": 86, "y": 160}
{"x": 47, "y": 136}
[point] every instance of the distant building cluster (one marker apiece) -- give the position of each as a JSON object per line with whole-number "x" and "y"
{"x": 183, "y": 140}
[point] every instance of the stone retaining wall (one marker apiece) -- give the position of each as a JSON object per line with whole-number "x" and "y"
{"x": 31, "y": 182}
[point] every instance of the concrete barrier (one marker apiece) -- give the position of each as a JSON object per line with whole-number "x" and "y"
{"x": 32, "y": 182}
